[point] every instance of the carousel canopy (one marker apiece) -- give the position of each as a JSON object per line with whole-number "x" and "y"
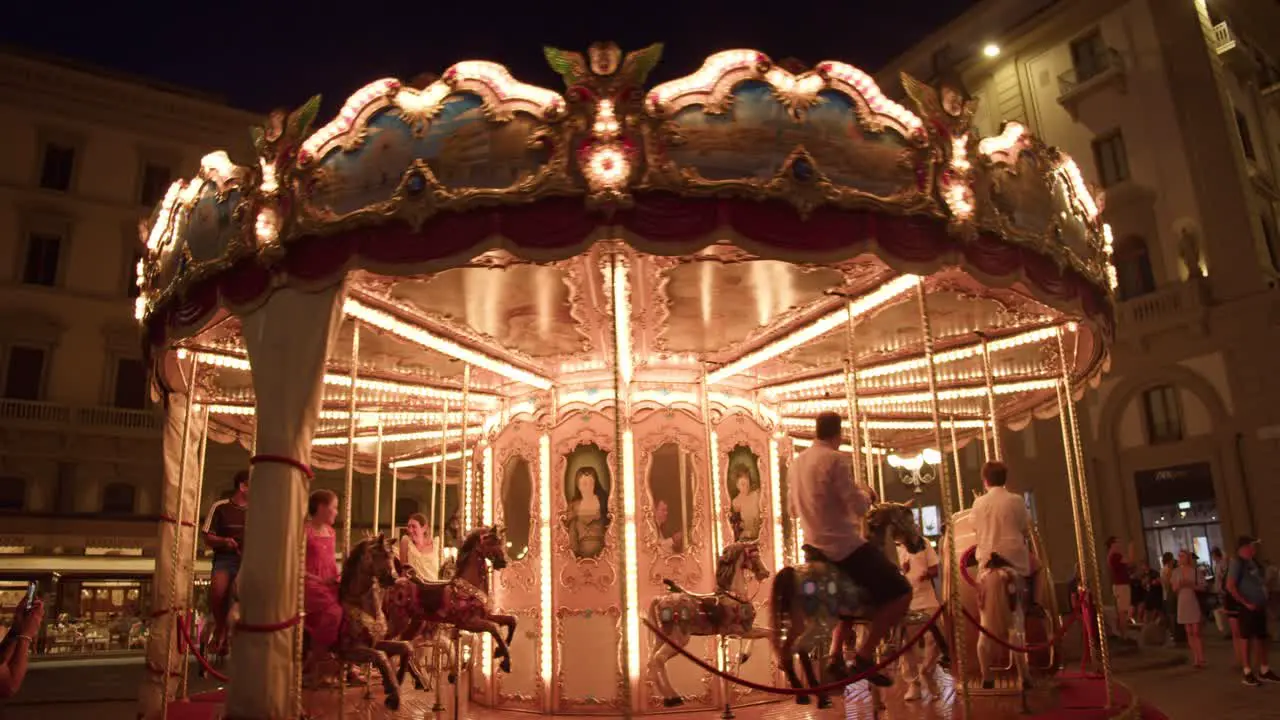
{"x": 759, "y": 230}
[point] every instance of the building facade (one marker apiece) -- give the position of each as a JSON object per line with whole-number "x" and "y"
{"x": 86, "y": 156}
{"x": 1172, "y": 110}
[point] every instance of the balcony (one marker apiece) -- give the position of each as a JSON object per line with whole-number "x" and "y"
{"x": 39, "y": 414}
{"x": 1104, "y": 71}
{"x": 1180, "y": 306}
{"x": 1233, "y": 50}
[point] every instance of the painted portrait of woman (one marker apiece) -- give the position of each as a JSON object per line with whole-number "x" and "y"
{"x": 587, "y": 485}
{"x": 743, "y": 484}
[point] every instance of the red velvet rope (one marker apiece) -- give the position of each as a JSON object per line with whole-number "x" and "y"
{"x": 182, "y": 628}
{"x": 268, "y": 628}
{"x": 302, "y": 467}
{"x": 815, "y": 690}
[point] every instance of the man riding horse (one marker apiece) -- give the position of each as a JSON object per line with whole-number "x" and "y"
{"x": 830, "y": 509}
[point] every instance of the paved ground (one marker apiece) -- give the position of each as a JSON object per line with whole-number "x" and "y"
{"x": 105, "y": 689}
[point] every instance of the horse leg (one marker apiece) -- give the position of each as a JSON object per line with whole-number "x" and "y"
{"x": 403, "y": 652}
{"x": 485, "y": 625}
{"x": 378, "y": 659}
{"x": 658, "y": 659}
{"x": 806, "y": 664}
{"x": 787, "y": 661}
{"x": 984, "y": 661}
{"x": 507, "y": 621}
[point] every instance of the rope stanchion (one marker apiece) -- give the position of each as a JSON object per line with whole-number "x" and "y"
{"x": 298, "y": 465}
{"x": 186, "y": 637}
{"x": 815, "y": 690}
{"x": 1024, "y": 649}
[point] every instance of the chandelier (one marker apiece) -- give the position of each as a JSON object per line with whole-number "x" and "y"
{"x": 917, "y": 470}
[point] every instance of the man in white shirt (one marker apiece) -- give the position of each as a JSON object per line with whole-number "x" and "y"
{"x": 830, "y": 509}
{"x": 1002, "y": 522}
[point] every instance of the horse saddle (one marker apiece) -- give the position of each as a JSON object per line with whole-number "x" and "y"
{"x": 674, "y": 587}
{"x": 814, "y": 555}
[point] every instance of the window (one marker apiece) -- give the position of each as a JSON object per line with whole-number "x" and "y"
{"x": 56, "y": 167}
{"x": 155, "y": 182}
{"x": 1111, "y": 159}
{"x": 131, "y": 276}
{"x": 404, "y": 508}
{"x": 24, "y": 373}
{"x": 13, "y": 493}
{"x": 118, "y": 499}
{"x": 928, "y": 520}
{"x": 1246, "y": 138}
{"x": 1134, "y": 276}
{"x": 1164, "y": 414}
{"x": 1089, "y": 56}
{"x": 1269, "y": 238}
{"x": 41, "y": 266}
{"x": 131, "y": 384}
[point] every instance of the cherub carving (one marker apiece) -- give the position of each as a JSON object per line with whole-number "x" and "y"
{"x": 604, "y": 74}
{"x": 948, "y": 112}
{"x": 277, "y": 143}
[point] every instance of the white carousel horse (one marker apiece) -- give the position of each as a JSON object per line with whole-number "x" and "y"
{"x": 1000, "y": 599}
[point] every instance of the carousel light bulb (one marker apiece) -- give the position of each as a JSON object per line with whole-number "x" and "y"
{"x": 316, "y": 145}
{"x": 140, "y": 307}
{"x": 775, "y": 499}
{"x": 1079, "y": 189}
{"x": 859, "y": 307}
{"x": 705, "y": 78}
{"x": 428, "y": 460}
{"x": 420, "y": 336}
{"x": 1004, "y": 142}
{"x": 544, "y": 554}
{"x": 630, "y": 560}
{"x": 931, "y": 456}
{"x": 396, "y": 437}
{"x": 608, "y": 166}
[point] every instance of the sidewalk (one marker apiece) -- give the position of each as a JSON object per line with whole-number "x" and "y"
{"x": 1184, "y": 693}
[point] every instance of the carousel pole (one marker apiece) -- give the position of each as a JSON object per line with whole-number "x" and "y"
{"x": 175, "y": 613}
{"x": 991, "y": 399}
{"x": 874, "y": 471}
{"x": 986, "y": 443}
{"x": 195, "y": 548}
{"x": 464, "y": 488}
{"x": 955, "y": 459}
{"x": 948, "y": 507}
{"x": 722, "y": 655}
{"x": 437, "y": 505}
{"x": 377, "y": 481}
{"x": 621, "y": 410}
{"x": 351, "y": 439}
{"x": 1068, "y": 456}
{"x": 391, "y": 525}
{"x": 1086, "y": 512}
{"x": 851, "y": 394}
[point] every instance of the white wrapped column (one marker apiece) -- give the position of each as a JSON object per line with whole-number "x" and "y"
{"x": 180, "y": 509}
{"x": 288, "y": 340}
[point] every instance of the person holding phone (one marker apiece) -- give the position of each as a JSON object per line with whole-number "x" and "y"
{"x": 16, "y": 646}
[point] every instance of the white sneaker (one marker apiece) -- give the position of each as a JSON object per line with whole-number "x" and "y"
{"x": 913, "y": 691}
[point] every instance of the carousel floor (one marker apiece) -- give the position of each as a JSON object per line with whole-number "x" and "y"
{"x": 1073, "y": 698}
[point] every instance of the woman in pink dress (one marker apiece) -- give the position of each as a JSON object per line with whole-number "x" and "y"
{"x": 324, "y": 610}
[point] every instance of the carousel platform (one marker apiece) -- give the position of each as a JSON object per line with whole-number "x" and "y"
{"x": 1074, "y": 697}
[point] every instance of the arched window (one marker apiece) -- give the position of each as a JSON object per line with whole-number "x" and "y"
{"x": 1163, "y": 410}
{"x": 1133, "y": 268}
{"x": 404, "y": 508}
{"x": 118, "y": 499}
{"x": 13, "y": 493}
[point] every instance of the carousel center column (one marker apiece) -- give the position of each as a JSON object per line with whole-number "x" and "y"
{"x": 288, "y": 341}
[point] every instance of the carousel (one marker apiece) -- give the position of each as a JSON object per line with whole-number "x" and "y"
{"x": 599, "y": 323}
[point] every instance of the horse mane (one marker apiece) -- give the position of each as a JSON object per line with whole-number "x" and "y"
{"x": 468, "y": 546}
{"x": 351, "y": 568}
{"x": 727, "y": 563}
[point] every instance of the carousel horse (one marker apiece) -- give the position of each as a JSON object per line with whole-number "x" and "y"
{"x": 810, "y": 599}
{"x": 414, "y": 606}
{"x": 682, "y": 615}
{"x": 367, "y": 575}
{"x": 1000, "y": 601}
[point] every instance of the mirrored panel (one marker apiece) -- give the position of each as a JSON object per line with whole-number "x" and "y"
{"x": 517, "y": 505}
{"x": 671, "y": 486}
{"x": 587, "y": 484}
{"x": 742, "y": 477}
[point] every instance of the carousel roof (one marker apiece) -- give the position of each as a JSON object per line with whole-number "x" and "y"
{"x": 754, "y": 219}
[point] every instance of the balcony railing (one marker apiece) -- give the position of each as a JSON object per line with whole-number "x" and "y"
{"x": 1106, "y": 62}
{"x": 1223, "y": 38}
{"x": 1170, "y": 307}
{"x": 1234, "y": 50}
{"x": 36, "y": 412}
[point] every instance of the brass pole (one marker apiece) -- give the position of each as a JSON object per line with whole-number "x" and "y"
{"x": 872, "y": 473}
{"x": 986, "y": 443}
{"x": 464, "y": 488}
{"x": 948, "y": 507}
{"x": 620, "y": 410}
{"x": 175, "y": 613}
{"x": 347, "y": 499}
{"x": 851, "y": 395}
{"x": 955, "y": 458}
{"x": 377, "y": 481}
{"x": 991, "y": 399}
{"x": 714, "y": 485}
{"x": 1086, "y": 513}
{"x": 392, "y": 524}
{"x": 444, "y": 472}
{"x": 1068, "y": 456}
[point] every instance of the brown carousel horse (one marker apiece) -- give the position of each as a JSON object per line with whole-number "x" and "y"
{"x": 682, "y": 615}
{"x": 810, "y": 599}
{"x": 368, "y": 574}
{"x": 416, "y": 606}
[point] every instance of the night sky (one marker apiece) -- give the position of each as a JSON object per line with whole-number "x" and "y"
{"x": 261, "y": 55}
